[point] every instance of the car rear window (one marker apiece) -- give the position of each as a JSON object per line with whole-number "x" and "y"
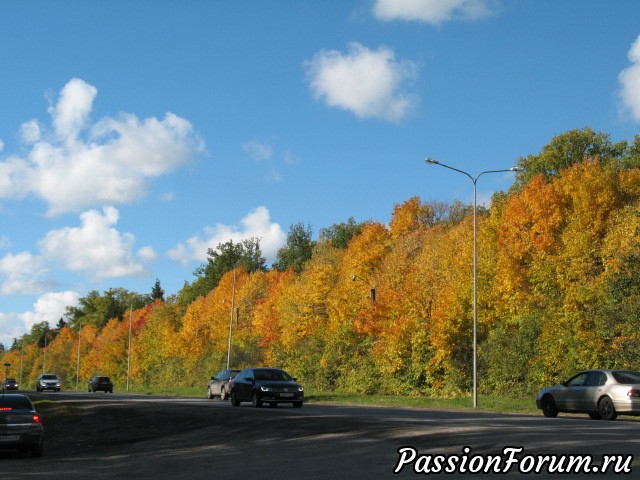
{"x": 15, "y": 402}
{"x": 627, "y": 378}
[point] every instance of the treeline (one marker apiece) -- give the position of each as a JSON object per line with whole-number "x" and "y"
{"x": 371, "y": 307}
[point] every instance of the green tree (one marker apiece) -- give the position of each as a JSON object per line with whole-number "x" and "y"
{"x": 567, "y": 149}
{"x": 340, "y": 234}
{"x": 297, "y": 250}
{"x": 225, "y": 258}
{"x": 96, "y": 309}
{"x": 157, "y": 293}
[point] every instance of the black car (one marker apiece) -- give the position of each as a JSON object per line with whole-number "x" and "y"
{"x": 266, "y": 385}
{"x": 100, "y": 383}
{"x": 9, "y": 384}
{"x": 220, "y": 385}
{"x": 20, "y": 425}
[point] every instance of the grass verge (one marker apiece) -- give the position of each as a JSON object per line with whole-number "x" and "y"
{"x": 489, "y": 403}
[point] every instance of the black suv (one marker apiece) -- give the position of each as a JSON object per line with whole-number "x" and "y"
{"x": 100, "y": 383}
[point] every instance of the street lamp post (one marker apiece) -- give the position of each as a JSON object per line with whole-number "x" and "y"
{"x": 474, "y": 180}
{"x": 129, "y": 347}
{"x": 78, "y": 359}
{"x": 233, "y": 297}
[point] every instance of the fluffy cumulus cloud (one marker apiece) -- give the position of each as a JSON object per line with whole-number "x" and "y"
{"x": 75, "y": 164}
{"x": 47, "y": 308}
{"x": 630, "y": 82}
{"x": 434, "y": 12}
{"x": 256, "y": 224}
{"x": 96, "y": 246}
{"x": 366, "y": 82}
{"x": 22, "y": 273}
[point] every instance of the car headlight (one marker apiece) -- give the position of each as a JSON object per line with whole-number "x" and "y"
{"x": 265, "y": 389}
{"x": 300, "y": 389}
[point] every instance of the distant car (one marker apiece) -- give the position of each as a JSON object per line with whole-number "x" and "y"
{"x": 20, "y": 425}
{"x": 220, "y": 385}
{"x": 48, "y": 381}
{"x": 266, "y": 385}
{"x": 603, "y": 394}
{"x": 100, "y": 383}
{"x": 10, "y": 384}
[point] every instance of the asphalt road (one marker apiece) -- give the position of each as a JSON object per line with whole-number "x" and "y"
{"x": 137, "y": 436}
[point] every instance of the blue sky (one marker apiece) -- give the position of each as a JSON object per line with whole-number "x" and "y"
{"x": 135, "y": 135}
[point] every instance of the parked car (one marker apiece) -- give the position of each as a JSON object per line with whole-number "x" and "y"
{"x": 220, "y": 385}
{"x": 603, "y": 394}
{"x": 102, "y": 383}
{"x": 266, "y": 385}
{"x": 48, "y": 381}
{"x": 20, "y": 425}
{"x": 9, "y": 384}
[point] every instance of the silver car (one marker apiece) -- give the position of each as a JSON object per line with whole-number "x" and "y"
{"x": 603, "y": 394}
{"x": 48, "y": 381}
{"x": 220, "y": 385}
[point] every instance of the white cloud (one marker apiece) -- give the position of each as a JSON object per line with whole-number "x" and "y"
{"x": 47, "y": 308}
{"x": 96, "y": 247}
{"x": 363, "y": 81}
{"x": 431, "y": 11}
{"x": 22, "y": 273}
{"x": 256, "y": 224}
{"x": 629, "y": 79}
{"x": 257, "y": 150}
{"x": 81, "y": 165}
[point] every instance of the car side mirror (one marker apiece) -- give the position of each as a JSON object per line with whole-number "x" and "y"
{"x": 251, "y": 380}
{"x": 213, "y": 378}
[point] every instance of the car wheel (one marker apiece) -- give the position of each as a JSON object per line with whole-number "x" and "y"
{"x": 234, "y": 400}
{"x": 297, "y": 404}
{"x": 223, "y": 394}
{"x": 606, "y": 409}
{"x": 549, "y": 408}
{"x": 255, "y": 400}
{"x": 273, "y": 404}
{"x": 209, "y": 394}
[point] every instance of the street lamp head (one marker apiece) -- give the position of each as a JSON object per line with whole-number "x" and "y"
{"x": 517, "y": 169}
{"x": 431, "y": 161}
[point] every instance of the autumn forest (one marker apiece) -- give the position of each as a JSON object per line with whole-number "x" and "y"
{"x": 388, "y": 308}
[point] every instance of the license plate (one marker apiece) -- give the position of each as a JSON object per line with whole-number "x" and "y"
{"x": 286, "y": 395}
{"x": 9, "y": 438}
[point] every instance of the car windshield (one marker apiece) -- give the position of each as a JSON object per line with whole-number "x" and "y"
{"x": 627, "y": 377}
{"x": 49, "y": 377}
{"x": 15, "y": 402}
{"x": 277, "y": 375}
